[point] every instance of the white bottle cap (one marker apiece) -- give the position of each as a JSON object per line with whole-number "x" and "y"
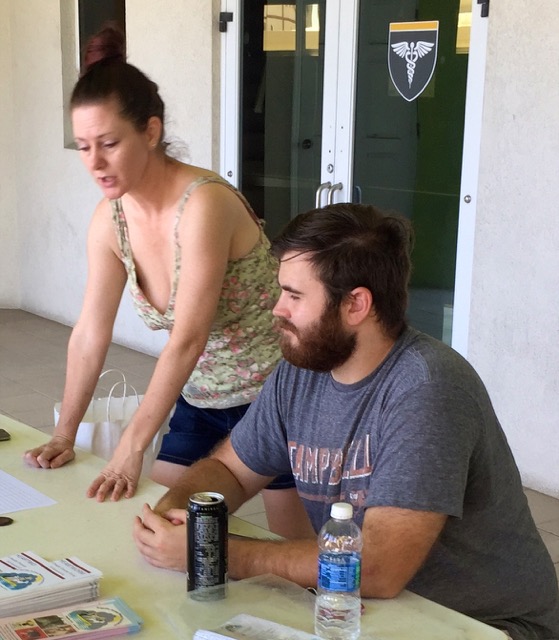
{"x": 342, "y": 511}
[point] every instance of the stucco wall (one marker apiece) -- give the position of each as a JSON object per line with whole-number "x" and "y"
{"x": 514, "y": 326}
{"x": 9, "y": 240}
{"x": 56, "y": 196}
{"x": 179, "y": 55}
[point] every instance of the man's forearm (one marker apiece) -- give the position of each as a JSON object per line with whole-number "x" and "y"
{"x": 295, "y": 560}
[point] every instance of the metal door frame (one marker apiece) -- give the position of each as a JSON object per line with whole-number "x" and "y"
{"x": 340, "y": 63}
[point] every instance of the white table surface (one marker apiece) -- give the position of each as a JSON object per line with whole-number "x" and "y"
{"x": 101, "y": 535}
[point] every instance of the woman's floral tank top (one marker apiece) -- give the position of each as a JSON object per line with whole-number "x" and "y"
{"x": 242, "y": 348}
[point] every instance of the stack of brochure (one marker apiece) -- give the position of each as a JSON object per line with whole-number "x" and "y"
{"x": 29, "y": 583}
{"x": 90, "y": 620}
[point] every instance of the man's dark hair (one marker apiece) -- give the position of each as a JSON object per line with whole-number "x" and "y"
{"x": 355, "y": 245}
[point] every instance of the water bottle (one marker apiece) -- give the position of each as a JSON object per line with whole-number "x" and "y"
{"x": 337, "y": 613}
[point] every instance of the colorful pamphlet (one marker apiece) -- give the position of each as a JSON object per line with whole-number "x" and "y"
{"x": 29, "y": 583}
{"x": 99, "y": 619}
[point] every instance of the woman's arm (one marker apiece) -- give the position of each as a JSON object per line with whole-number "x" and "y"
{"x": 208, "y": 225}
{"x": 89, "y": 340}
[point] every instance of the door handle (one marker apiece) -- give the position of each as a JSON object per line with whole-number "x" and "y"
{"x": 335, "y": 187}
{"x": 357, "y": 194}
{"x": 321, "y": 188}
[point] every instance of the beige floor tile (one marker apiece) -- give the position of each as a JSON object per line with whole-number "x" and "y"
{"x": 128, "y": 359}
{"x": 9, "y": 334}
{"x": 30, "y": 323}
{"x": 26, "y": 402}
{"x": 51, "y": 385}
{"x": 117, "y": 350}
{"x": 54, "y": 332}
{"x": 9, "y": 388}
{"x": 544, "y": 508}
{"x": 8, "y": 360}
{"x": 551, "y": 541}
{"x": 42, "y": 419}
{"x": 27, "y": 348}
{"x": 8, "y": 316}
{"x": 550, "y": 526}
{"x": 19, "y": 371}
{"x": 139, "y": 370}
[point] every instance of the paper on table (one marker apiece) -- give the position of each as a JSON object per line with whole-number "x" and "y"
{"x": 17, "y": 496}
{"x": 245, "y": 627}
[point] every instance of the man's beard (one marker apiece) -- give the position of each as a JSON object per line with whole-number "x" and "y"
{"x": 322, "y": 347}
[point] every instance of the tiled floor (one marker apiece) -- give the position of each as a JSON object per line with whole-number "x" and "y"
{"x": 32, "y": 365}
{"x": 32, "y": 373}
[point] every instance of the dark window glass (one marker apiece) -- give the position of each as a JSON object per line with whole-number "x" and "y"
{"x": 93, "y": 14}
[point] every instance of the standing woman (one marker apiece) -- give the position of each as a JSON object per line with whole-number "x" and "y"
{"x": 197, "y": 264}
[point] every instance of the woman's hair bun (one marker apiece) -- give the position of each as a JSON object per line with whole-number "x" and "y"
{"x": 109, "y": 43}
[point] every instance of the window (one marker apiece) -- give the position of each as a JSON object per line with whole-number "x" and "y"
{"x": 79, "y": 20}
{"x": 93, "y": 14}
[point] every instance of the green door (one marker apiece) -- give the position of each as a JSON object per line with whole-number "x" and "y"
{"x": 408, "y": 153}
{"x": 323, "y": 104}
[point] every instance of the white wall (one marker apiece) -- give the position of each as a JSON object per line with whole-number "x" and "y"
{"x": 9, "y": 239}
{"x": 177, "y": 48}
{"x": 514, "y": 327}
{"x": 180, "y": 55}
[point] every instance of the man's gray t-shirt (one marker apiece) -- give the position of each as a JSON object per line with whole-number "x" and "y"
{"x": 418, "y": 433}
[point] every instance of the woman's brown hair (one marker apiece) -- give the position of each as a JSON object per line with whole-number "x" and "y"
{"x": 106, "y": 75}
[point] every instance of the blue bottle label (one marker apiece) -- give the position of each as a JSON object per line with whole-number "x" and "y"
{"x": 339, "y": 571}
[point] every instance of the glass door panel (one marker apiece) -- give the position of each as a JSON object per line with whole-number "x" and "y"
{"x": 408, "y": 154}
{"x": 319, "y": 106}
{"x": 282, "y": 86}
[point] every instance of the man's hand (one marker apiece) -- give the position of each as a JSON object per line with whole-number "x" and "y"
{"x": 119, "y": 478}
{"x": 57, "y": 452}
{"x": 162, "y": 540}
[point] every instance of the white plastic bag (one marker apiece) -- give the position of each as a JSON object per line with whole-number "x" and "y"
{"x": 106, "y": 418}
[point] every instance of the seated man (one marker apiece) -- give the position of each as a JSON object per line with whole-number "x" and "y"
{"x": 367, "y": 410}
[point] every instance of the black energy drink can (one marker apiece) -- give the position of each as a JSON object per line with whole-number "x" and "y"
{"x": 206, "y": 572}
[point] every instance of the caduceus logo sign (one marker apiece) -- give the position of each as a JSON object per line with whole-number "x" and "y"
{"x": 412, "y": 56}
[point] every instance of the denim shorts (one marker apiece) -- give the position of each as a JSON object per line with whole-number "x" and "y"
{"x": 194, "y": 433}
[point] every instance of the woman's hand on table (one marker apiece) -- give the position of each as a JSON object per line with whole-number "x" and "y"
{"x": 55, "y": 453}
{"x": 119, "y": 478}
{"x": 162, "y": 540}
